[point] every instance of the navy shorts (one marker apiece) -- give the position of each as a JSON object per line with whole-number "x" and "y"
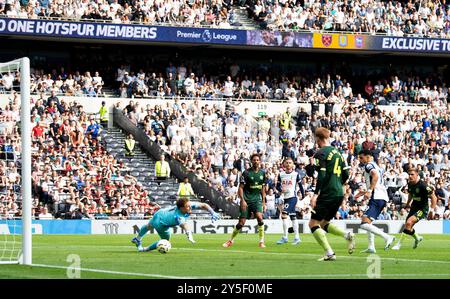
{"x": 375, "y": 208}
{"x": 289, "y": 206}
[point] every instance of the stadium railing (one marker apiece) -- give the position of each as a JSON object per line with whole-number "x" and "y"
{"x": 220, "y": 99}
{"x": 101, "y": 21}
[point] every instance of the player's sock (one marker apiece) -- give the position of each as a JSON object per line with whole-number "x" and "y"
{"x": 151, "y": 247}
{"x": 321, "y": 238}
{"x": 373, "y": 229}
{"x": 371, "y": 239}
{"x": 295, "y": 226}
{"x": 142, "y": 231}
{"x": 404, "y": 233}
{"x": 261, "y": 232}
{"x": 236, "y": 231}
{"x": 335, "y": 230}
{"x": 285, "y": 228}
{"x": 414, "y": 234}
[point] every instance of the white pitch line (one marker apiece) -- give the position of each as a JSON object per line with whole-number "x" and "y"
{"x": 236, "y": 277}
{"x": 109, "y": 272}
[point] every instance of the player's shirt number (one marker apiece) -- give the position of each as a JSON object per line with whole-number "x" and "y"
{"x": 337, "y": 168}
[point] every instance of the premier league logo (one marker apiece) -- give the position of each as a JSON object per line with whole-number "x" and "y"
{"x": 327, "y": 39}
{"x": 343, "y": 41}
{"x": 206, "y": 36}
{"x": 359, "y": 41}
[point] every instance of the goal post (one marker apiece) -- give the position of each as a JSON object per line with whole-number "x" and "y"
{"x": 25, "y": 123}
{"x": 14, "y": 253}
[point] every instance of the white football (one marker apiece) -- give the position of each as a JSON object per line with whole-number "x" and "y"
{"x": 163, "y": 246}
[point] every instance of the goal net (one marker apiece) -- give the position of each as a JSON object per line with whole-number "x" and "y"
{"x": 15, "y": 162}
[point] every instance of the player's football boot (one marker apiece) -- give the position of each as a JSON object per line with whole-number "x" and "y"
{"x": 296, "y": 241}
{"x": 351, "y": 242}
{"x": 369, "y": 250}
{"x": 396, "y": 246}
{"x": 283, "y": 240}
{"x": 141, "y": 249}
{"x": 227, "y": 244}
{"x": 416, "y": 242}
{"x": 389, "y": 243}
{"x": 262, "y": 245}
{"x": 327, "y": 257}
{"x": 136, "y": 241}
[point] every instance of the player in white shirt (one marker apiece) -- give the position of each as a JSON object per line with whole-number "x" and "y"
{"x": 287, "y": 183}
{"x": 378, "y": 197}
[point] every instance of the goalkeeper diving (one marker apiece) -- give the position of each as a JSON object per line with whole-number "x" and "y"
{"x": 166, "y": 218}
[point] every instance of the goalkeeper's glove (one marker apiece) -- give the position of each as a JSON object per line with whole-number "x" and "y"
{"x": 190, "y": 237}
{"x": 215, "y": 216}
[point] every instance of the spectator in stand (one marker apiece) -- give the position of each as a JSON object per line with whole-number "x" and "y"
{"x": 129, "y": 145}
{"x": 104, "y": 115}
{"x": 37, "y": 133}
{"x": 185, "y": 189}
{"x": 368, "y": 144}
{"x": 384, "y": 215}
{"x": 93, "y": 130}
{"x": 162, "y": 169}
{"x": 270, "y": 205}
{"x": 45, "y": 215}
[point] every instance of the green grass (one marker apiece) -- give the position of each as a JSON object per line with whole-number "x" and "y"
{"x": 103, "y": 255}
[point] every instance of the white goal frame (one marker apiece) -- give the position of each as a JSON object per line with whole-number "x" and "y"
{"x": 23, "y": 65}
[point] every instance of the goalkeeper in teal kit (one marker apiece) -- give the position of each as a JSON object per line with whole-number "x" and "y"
{"x": 164, "y": 219}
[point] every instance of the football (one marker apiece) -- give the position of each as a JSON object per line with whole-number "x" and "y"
{"x": 164, "y": 246}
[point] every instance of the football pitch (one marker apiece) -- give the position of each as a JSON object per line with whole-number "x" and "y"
{"x": 114, "y": 256}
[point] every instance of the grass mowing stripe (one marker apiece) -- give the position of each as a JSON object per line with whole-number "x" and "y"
{"x": 238, "y": 277}
{"x": 262, "y": 252}
{"x": 114, "y": 256}
{"x": 311, "y": 254}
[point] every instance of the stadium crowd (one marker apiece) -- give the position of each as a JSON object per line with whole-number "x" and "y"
{"x": 73, "y": 175}
{"x": 180, "y": 80}
{"x": 174, "y": 81}
{"x": 396, "y": 18}
{"x": 429, "y": 18}
{"x": 57, "y": 82}
{"x": 177, "y": 81}
{"x": 217, "y": 13}
{"x": 217, "y": 144}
